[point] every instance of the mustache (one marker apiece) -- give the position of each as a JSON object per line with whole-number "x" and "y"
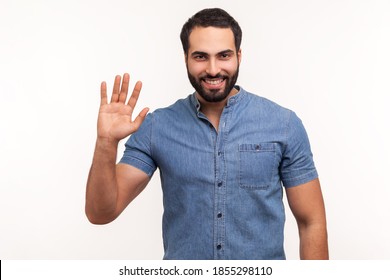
{"x": 218, "y": 76}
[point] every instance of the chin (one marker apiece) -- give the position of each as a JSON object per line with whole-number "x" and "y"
{"x": 211, "y": 96}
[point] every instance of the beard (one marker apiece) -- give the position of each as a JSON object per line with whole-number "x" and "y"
{"x": 214, "y": 95}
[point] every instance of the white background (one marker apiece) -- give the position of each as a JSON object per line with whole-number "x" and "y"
{"x": 329, "y": 61}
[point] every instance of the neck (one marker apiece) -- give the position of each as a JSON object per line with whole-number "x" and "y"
{"x": 213, "y": 110}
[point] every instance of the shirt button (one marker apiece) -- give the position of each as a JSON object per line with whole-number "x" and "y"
{"x": 219, "y": 153}
{"x": 220, "y": 184}
{"x": 219, "y": 215}
{"x": 219, "y": 247}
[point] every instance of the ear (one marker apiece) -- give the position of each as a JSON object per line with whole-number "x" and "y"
{"x": 239, "y": 56}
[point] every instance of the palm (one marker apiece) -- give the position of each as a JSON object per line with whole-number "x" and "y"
{"x": 115, "y": 118}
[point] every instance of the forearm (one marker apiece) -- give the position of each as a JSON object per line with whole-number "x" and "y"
{"x": 102, "y": 190}
{"x": 313, "y": 242}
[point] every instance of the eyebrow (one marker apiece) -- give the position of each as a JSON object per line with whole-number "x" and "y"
{"x": 228, "y": 51}
{"x": 199, "y": 53}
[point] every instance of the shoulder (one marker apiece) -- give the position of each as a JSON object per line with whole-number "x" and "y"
{"x": 267, "y": 109}
{"x": 162, "y": 120}
{"x": 180, "y": 107}
{"x": 173, "y": 117}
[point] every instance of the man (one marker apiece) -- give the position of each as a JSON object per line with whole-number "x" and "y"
{"x": 223, "y": 155}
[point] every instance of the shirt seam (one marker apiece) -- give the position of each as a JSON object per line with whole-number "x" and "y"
{"x": 290, "y": 182}
{"x": 130, "y": 160}
{"x": 151, "y": 136}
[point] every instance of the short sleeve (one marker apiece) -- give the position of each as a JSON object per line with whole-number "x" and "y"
{"x": 138, "y": 148}
{"x": 297, "y": 166}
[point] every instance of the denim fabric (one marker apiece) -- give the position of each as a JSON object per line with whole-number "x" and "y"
{"x": 222, "y": 190}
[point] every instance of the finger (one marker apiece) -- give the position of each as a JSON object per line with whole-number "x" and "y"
{"x": 134, "y": 96}
{"x": 124, "y": 88}
{"x": 141, "y": 117}
{"x": 115, "y": 90}
{"x": 103, "y": 93}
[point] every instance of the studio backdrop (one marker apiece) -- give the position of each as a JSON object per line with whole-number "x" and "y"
{"x": 327, "y": 60}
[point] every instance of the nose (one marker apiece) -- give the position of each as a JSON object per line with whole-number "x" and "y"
{"x": 212, "y": 67}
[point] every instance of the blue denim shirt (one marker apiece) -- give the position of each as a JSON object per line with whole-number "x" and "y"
{"x": 222, "y": 190}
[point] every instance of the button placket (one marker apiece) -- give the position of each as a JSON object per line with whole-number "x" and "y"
{"x": 220, "y": 184}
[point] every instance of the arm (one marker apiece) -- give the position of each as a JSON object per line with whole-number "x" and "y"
{"x": 307, "y": 206}
{"x": 111, "y": 187}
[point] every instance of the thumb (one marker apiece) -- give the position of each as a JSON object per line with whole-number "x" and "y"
{"x": 141, "y": 117}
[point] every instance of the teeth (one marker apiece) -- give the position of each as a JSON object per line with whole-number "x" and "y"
{"x": 214, "y": 82}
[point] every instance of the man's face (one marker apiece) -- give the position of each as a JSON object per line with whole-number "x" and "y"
{"x": 212, "y": 62}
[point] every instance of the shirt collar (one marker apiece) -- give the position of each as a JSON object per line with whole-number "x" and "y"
{"x": 231, "y": 101}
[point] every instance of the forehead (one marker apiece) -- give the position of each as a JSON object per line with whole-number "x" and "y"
{"x": 211, "y": 39}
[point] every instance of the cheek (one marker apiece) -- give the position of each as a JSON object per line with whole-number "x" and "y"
{"x": 195, "y": 69}
{"x": 230, "y": 67}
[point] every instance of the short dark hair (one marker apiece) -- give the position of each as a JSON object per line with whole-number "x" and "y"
{"x": 214, "y": 17}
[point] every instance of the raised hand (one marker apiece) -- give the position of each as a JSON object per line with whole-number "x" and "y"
{"x": 115, "y": 118}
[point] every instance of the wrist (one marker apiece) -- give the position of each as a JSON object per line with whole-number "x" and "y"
{"x": 106, "y": 142}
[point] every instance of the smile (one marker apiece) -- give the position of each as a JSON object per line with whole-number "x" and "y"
{"x": 213, "y": 82}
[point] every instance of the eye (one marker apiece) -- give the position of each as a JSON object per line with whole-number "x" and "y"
{"x": 199, "y": 57}
{"x": 225, "y": 56}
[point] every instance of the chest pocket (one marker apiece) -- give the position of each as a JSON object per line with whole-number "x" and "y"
{"x": 257, "y": 165}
